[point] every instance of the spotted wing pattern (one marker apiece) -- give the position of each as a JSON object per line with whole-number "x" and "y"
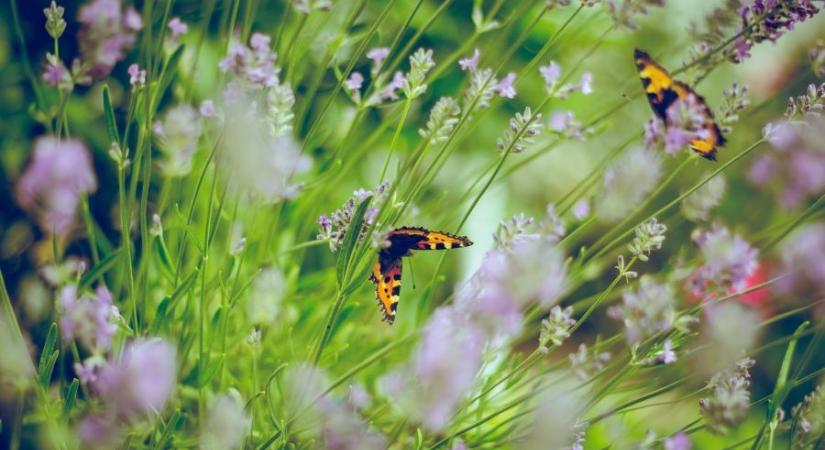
{"x": 423, "y": 239}
{"x": 386, "y": 273}
{"x": 662, "y": 90}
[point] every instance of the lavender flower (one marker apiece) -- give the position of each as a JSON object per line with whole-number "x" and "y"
{"x": 649, "y": 236}
{"x": 586, "y": 364}
{"x": 319, "y": 415}
{"x": 556, "y": 327}
{"x": 728, "y": 260}
{"x": 565, "y": 124}
{"x": 207, "y": 109}
{"x": 679, "y": 441}
{"x": 624, "y": 12}
{"x": 697, "y": 205}
{"x": 524, "y": 128}
{"x": 377, "y": 55}
{"x": 178, "y": 28}
{"x": 388, "y": 92}
{"x": 809, "y": 416}
{"x": 812, "y": 101}
{"x": 334, "y": 226}
{"x": 552, "y": 227}
{"x": 266, "y": 297}
{"x": 227, "y": 424}
{"x": 63, "y": 272}
{"x": 803, "y": 259}
{"x": 257, "y": 155}
{"x": 51, "y": 187}
{"x": 541, "y": 273}
{"x": 734, "y": 100}
{"x": 627, "y": 182}
{"x": 514, "y": 230}
{"x": 354, "y": 82}
{"x": 56, "y": 74}
{"x": 443, "y": 118}
{"x": 730, "y": 399}
{"x": 654, "y": 133}
{"x": 107, "y": 33}
{"x": 421, "y": 62}
{"x": 138, "y": 384}
{"x": 254, "y": 64}
{"x": 137, "y": 76}
{"x": 55, "y": 25}
{"x": 768, "y": 20}
{"x": 649, "y": 310}
{"x": 91, "y": 320}
{"x": 505, "y": 87}
{"x": 178, "y": 140}
{"x": 684, "y": 122}
{"x": 358, "y": 396}
{"x": 470, "y": 63}
{"x": 667, "y": 355}
{"x": 446, "y": 362}
{"x": 551, "y": 74}
{"x": 343, "y": 430}
{"x": 97, "y": 431}
{"x": 481, "y": 89}
{"x": 581, "y": 209}
{"x": 798, "y": 158}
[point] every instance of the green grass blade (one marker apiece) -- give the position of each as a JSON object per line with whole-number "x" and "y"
{"x": 109, "y": 116}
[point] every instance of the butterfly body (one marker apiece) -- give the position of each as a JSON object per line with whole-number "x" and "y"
{"x": 663, "y": 91}
{"x": 386, "y": 273}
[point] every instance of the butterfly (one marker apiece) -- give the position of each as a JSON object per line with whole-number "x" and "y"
{"x": 386, "y": 274}
{"x": 662, "y": 91}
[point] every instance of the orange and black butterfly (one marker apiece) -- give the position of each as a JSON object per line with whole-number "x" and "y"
{"x": 386, "y": 274}
{"x": 662, "y": 91}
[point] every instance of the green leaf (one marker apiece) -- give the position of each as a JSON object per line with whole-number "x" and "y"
{"x": 48, "y": 346}
{"x": 45, "y": 370}
{"x": 71, "y": 396}
{"x": 163, "y": 256}
{"x": 97, "y": 271}
{"x": 161, "y": 314}
{"x": 204, "y": 377}
{"x": 350, "y": 239}
{"x": 48, "y": 357}
{"x": 168, "y": 73}
{"x": 782, "y": 379}
{"x": 109, "y": 115}
{"x": 169, "y": 428}
{"x": 165, "y": 309}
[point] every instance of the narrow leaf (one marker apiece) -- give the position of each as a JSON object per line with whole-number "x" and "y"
{"x": 109, "y": 115}
{"x": 98, "y": 270}
{"x": 350, "y": 239}
{"x": 71, "y": 396}
{"x": 45, "y": 370}
{"x": 48, "y": 346}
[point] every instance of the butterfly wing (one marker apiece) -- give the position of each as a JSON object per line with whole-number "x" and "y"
{"x": 414, "y": 238}
{"x": 712, "y": 138}
{"x": 657, "y": 83}
{"x": 386, "y": 275}
{"x": 662, "y": 90}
